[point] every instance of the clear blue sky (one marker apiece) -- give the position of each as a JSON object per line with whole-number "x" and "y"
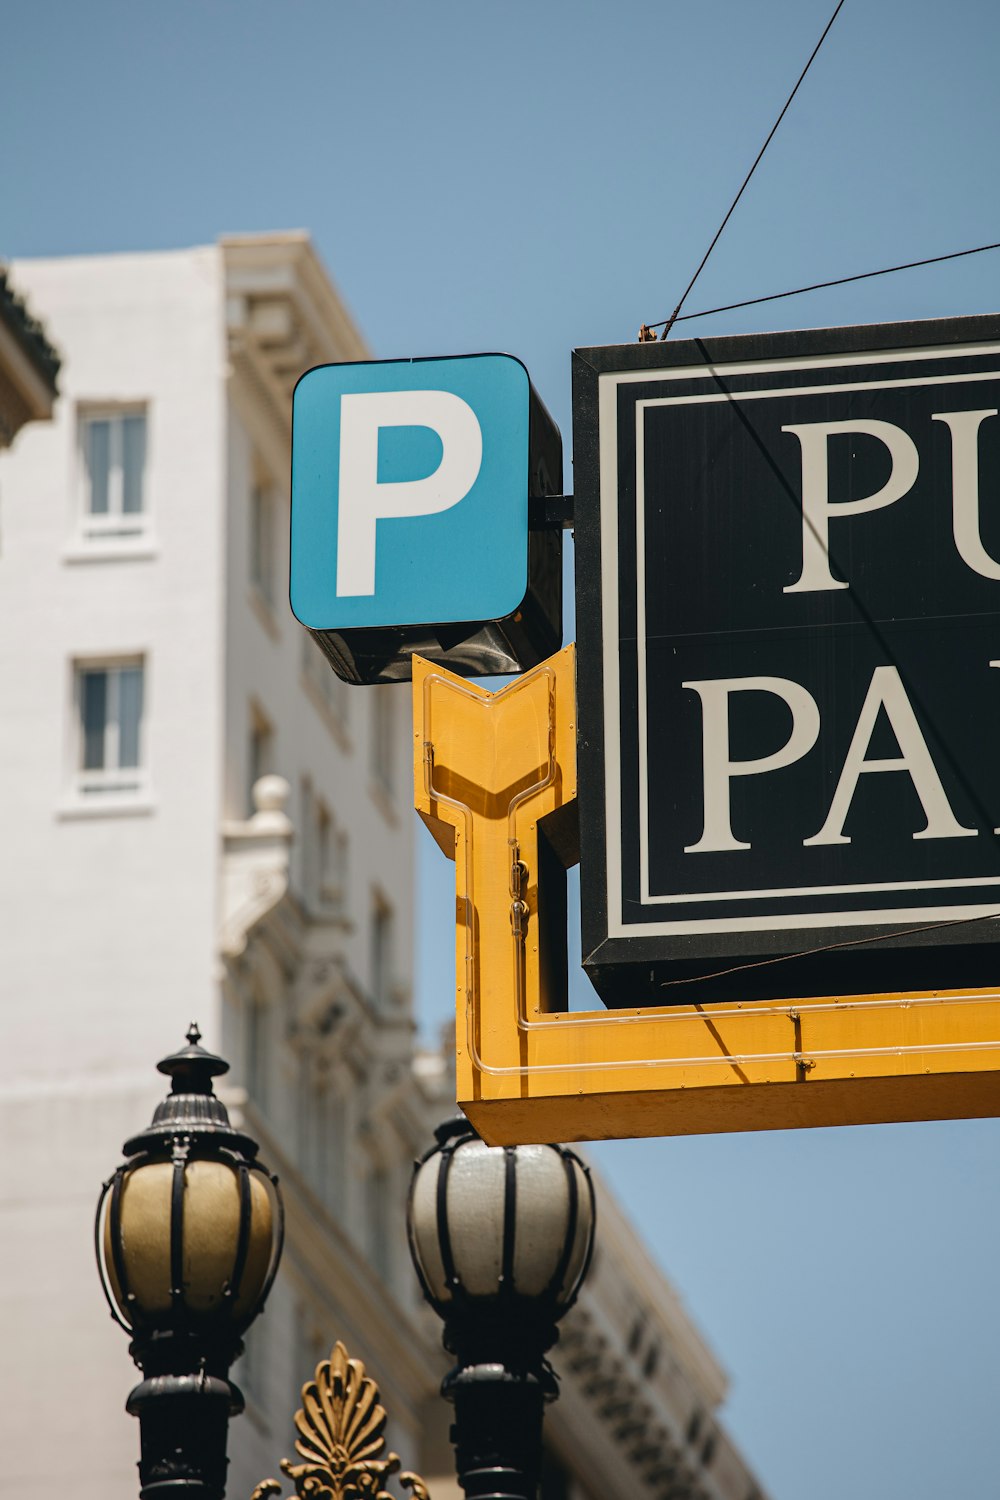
{"x": 531, "y": 177}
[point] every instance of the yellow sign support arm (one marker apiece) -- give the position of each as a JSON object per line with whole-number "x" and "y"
{"x": 495, "y": 782}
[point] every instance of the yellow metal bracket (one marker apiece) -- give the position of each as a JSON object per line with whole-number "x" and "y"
{"x": 495, "y": 782}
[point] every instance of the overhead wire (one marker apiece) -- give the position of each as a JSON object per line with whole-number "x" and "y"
{"x": 855, "y": 942}
{"x": 647, "y": 332}
{"x": 818, "y": 286}
{"x": 669, "y": 322}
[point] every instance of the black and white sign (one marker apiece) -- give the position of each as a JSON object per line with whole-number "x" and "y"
{"x": 788, "y": 601}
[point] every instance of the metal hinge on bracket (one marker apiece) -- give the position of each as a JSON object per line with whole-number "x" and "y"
{"x": 518, "y": 885}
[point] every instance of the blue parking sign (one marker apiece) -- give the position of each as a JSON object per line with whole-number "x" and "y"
{"x": 410, "y": 492}
{"x": 410, "y": 511}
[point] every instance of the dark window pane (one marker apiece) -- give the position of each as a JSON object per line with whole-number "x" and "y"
{"x": 94, "y": 712}
{"x": 98, "y": 446}
{"x": 133, "y": 463}
{"x": 129, "y": 715}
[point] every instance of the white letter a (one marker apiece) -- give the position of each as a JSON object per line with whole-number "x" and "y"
{"x": 887, "y": 691}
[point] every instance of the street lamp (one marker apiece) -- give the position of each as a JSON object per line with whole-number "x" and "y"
{"x": 188, "y": 1237}
{"x": 501, "y": 1239}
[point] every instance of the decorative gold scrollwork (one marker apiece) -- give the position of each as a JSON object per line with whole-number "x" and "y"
{"x": 341, "y": 1427}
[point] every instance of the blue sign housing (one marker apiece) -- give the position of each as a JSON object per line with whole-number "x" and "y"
{"x": 410, "y": 492}
{"x": 419, "y": 522}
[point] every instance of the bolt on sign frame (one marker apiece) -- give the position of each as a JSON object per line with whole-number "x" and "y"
{"x": 749, "y": 1043}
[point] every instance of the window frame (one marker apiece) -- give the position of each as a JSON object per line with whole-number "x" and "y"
{"x": 95, "y": 786}
{"x": 116, "y": 524}
{"x": 323, "y": 844}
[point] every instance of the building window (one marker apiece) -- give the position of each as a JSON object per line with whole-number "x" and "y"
{"x": 324, "y": 855}
{"x": 381, "y": 952}
{"x": 113, "y": 444}
{"x": 383, "y": 746}
{"x": 263, "y": 534}
{"x": 331, "y": 843}
{"x": 109, "y": 709}
{"x": 260, "y": 753}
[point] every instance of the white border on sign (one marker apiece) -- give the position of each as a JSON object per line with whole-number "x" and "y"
{"x": 608, "y": 427}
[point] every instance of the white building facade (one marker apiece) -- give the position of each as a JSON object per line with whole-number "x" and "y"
{"x": 201, "y": 822}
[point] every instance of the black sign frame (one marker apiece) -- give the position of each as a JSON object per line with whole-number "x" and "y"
{"x": 703, "y": 959}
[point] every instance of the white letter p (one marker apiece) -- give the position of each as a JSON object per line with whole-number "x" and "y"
{"x": 364, "y": 501}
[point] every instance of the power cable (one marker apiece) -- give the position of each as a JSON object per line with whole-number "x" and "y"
{"x": 669, "y": 322}
{"x": 783, "y": 958}
{"x": 819, "y": 286}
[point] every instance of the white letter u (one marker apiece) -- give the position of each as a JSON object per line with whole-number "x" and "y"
{"x": 964, "y": 426}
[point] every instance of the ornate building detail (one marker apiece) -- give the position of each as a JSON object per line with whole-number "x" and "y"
{"x": 255, "y": 870}
{"x": 341, "y": 1427}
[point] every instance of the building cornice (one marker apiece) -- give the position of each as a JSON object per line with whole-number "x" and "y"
{"x": 29, "y": 333}
{"x": 29, "y": 366}
{"x": 283, "y": 316}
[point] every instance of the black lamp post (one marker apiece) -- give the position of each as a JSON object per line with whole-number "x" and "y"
{"x": 501, "y": 1239}
{"x": 188, "y": 1238}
